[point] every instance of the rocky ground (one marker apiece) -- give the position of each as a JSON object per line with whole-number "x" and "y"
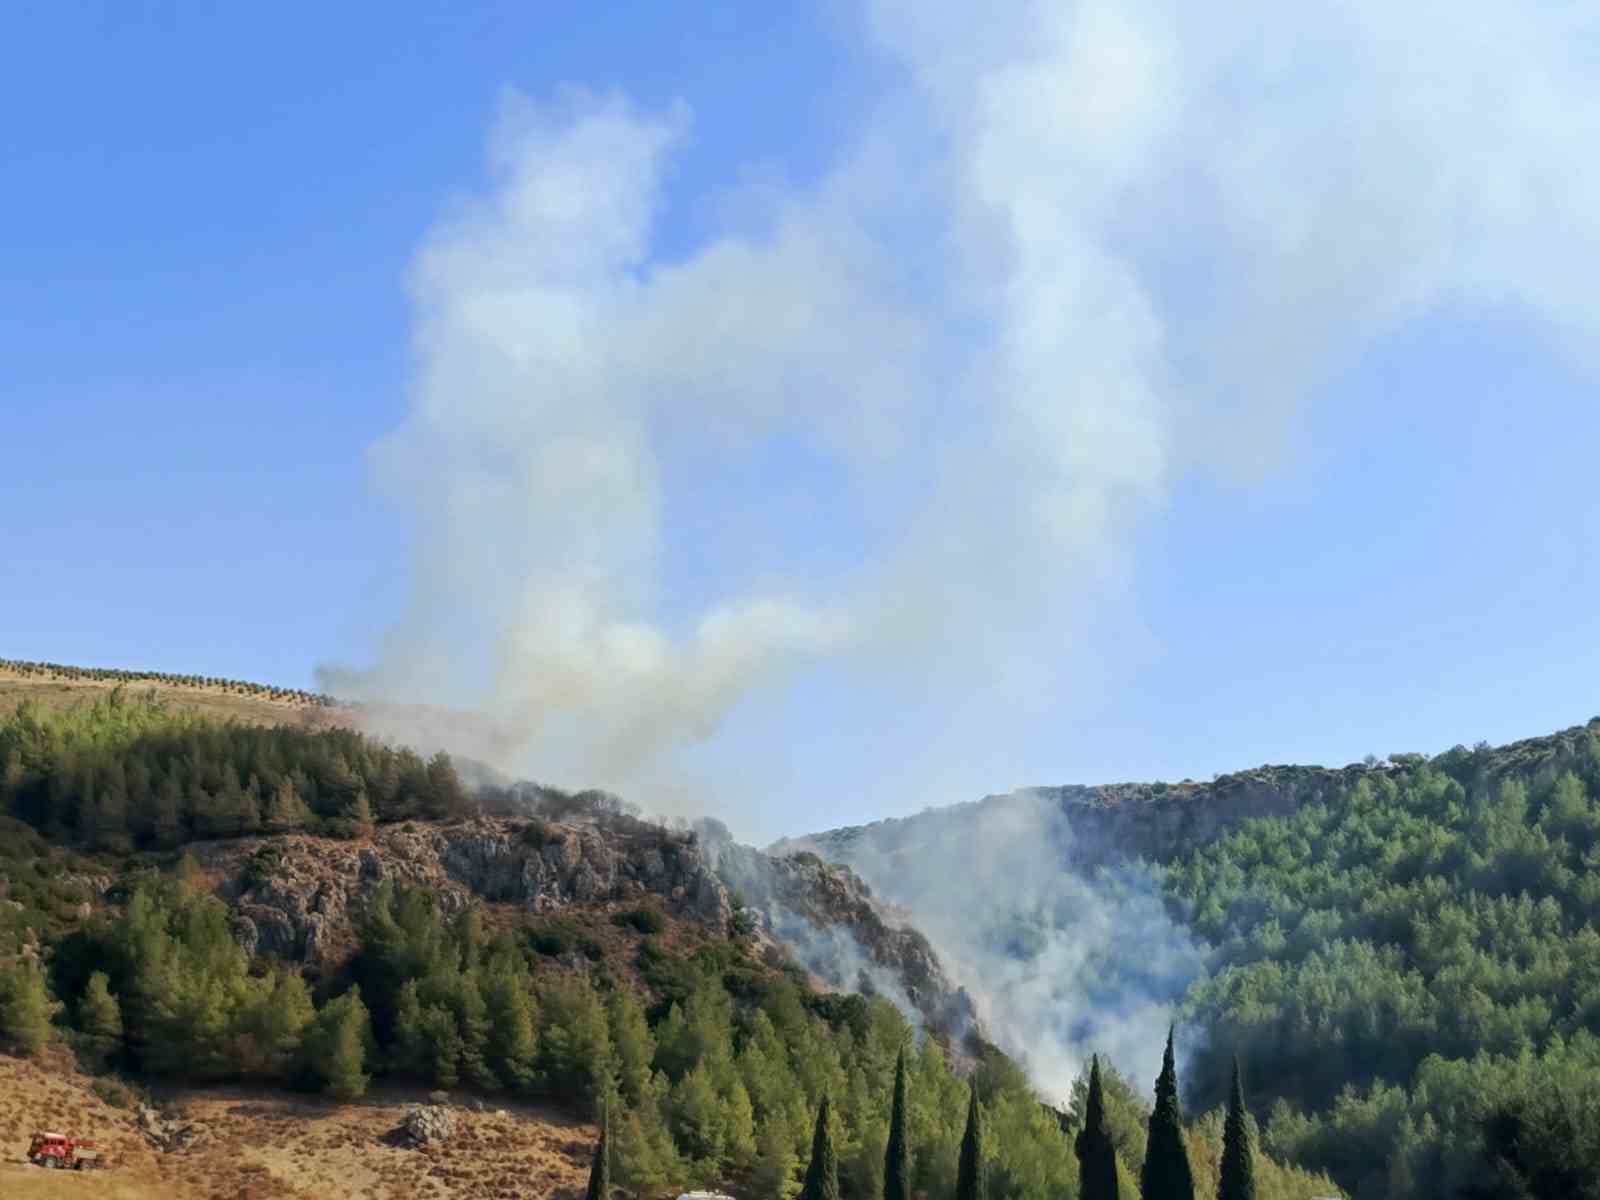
{"x": 250, "y": 1144}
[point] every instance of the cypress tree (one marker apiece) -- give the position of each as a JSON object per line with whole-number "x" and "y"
{"x": 1166, "y": 1174}
{"x": 1097, "y": 1157}
{"x": 600, "y": 1169}
{"x": 897, "y": 1156}
{"x": 822, "y": 1176}
{"x": 1238, "y": 1156}
{"x": 969, "y": 1175}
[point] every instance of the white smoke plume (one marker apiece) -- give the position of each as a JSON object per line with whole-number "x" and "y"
{"x": 1062, "y": 958}
{"x": 835, "y": 957}
{"x": 1074, "y": 250}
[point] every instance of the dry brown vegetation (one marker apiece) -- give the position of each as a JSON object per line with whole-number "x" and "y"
{"x": 270, "y": 1145}
{"x": 60, "y": 691}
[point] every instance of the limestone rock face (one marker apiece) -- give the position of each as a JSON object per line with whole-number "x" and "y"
{"x": 1155, "y": 821}
{"x": 827, "y": 916}
{"x": 300, "y": 898}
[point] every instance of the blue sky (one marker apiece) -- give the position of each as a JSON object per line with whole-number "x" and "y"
{"x": 813, "y": 417}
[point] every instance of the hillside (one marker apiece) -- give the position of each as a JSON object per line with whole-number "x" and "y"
{"x": 53, "y": 686}
{"x": 320, "y": 925}
{"x": 1406, "y": 954}
{"x": 1161, "y": 821}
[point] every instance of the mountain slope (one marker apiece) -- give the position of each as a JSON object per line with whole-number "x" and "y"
{"x": 56, "y": 686}
{"x": 213, "y": 900}
{"x": 1406, "y": 954}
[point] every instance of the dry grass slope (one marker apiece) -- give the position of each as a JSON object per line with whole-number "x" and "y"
{"x": 73, "y": 688}
{"x": 268, "y": 1145}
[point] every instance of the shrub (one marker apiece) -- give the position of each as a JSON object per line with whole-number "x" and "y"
{"x": 538, "y": 834}
{"x": 119, "y": 1093}
{"x": 644, "y": 920}
{"x": 556, "y": 937}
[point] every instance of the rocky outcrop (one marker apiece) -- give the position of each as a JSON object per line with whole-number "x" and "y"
{"x": 827, "y": 916}
{"x": 428, "y": 1125}
{"x": 170, "y": 1134}
{"x": 299, "y": 898}
{"x": 1160, "y": 821}
{"x": 1155, "y": 821}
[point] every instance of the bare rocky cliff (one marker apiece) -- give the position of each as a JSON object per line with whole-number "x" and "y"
{"x": 1162, "y": 821}
{"x": 300, "y": 898}
{"x": 1155, "y": 821}
{"x": 829, "y": 919}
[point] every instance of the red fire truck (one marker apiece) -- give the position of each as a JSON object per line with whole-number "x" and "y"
{"x": 59, "y": 1151}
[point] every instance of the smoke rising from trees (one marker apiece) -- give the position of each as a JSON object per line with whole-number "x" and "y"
{"x": 1071, "y": 253}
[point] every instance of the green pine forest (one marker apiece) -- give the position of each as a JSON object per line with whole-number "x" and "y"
{"x": 1412, "y": 973}
{"x": 1404, "y": 982}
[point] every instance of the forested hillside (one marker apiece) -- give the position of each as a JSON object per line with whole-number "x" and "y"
{"x": 1405, "y": 953}
{"x": 1412, "y": 972}
{"x": 128, "y": 773}
{"x": 709, "y": 1048}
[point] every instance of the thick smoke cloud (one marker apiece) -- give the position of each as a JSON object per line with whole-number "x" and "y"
{"x": 1075, "y": 250}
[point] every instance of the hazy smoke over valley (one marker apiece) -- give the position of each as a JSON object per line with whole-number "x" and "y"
{"x": 1062, "y": 959}
{"x": 903, "y": 419}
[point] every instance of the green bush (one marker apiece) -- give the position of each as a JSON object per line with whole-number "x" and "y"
{"x": 645, "y": 920}
{"x": 556, "y": 937}
{"x": 119, "y": 1093}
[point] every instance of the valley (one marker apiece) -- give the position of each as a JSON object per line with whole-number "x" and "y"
{"x": 286, "y": 932}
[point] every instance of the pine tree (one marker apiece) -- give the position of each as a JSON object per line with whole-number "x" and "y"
{"x": 100, "y": 1019}
{"x": 336, "y": 1046}
{"x": 166, "y": 816}
{"x": 285, "y": 809}
{"x": 1166, "y": 1174}
{"x": 600, "y": 1169}
{"x": 740, "y": 1116}
{"x": 25, "y": 1007}
{"x": 407, "y": 1050}
{"x": 512, "y": 1046}
{"x": 822, "y": 1176}
{"x": 897, "y": 1156}
{"x": 269, "y": 1026}
{"x": 632, "y": 1043}
{"x": 1097, "y": 1157}
{"x": 12, "y": 778}
{"x": 440, "y": 1043}
{"x": 1238, "y": 1156}
{"x": 969, "y": 1175}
